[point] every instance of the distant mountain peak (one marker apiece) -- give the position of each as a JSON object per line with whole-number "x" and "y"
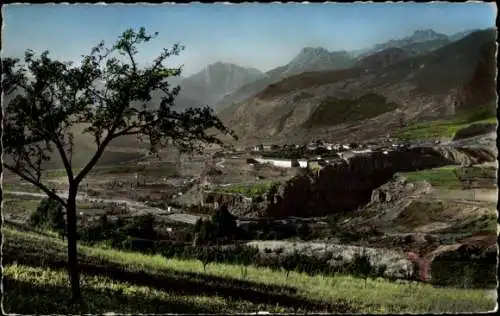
{"x": 426, "y": 35}
{"x": 310, "y": 49}
{"x": 424, "y": 32}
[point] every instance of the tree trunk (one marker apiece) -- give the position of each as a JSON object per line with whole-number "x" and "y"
{"x": 73, "y": 269}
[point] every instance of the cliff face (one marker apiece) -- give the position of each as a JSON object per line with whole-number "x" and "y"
{"x": 481, "y": 88}
{"x": 348, "y": 185}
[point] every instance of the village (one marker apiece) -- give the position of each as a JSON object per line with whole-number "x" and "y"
{"x": 317, "y": 154}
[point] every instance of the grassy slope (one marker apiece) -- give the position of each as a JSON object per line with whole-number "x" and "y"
{"x": 448, "y": 177}
{"x": 132, "y": 282}
{"x": 444, "y": 177}
{"x": 446, "y": 128}
{"x": 333, "y": 111}
{"x": 250, "y": 190}
{"x": 451, "y": 177}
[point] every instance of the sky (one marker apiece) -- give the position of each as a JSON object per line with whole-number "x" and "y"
{"x": 262, "y": 36}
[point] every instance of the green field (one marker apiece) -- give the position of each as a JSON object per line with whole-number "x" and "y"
{"x": 446, "y": 128}
{"x": 249, "y": 190}
{"x": 451, "y": 177}
{"x": 444, "y": 177}
{"x": 118, "y": 281}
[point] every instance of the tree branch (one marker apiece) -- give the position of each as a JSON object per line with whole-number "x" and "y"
{"x": 38, "y": 184}
{"x": 95, "y": 158}
{"x": 66, "y": 162}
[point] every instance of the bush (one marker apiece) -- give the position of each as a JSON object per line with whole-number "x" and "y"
{"x": 141, "y": 227}
{"x": 49, "y": 215}
{"x": 222, "y": 226}
{"x": 303, "y": 231}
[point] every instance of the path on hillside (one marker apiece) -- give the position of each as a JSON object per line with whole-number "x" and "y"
{"x": 175, "y": 215}
{"x": 472, "y": 195}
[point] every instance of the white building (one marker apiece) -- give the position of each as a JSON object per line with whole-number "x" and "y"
{"x": 303, "y": 163}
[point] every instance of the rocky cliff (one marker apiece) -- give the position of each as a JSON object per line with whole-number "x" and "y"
{"x": 481, "y": 87}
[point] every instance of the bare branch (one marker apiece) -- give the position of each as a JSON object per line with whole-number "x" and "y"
{"x": 40, "y": 185}
{"x": 65, "y": 160}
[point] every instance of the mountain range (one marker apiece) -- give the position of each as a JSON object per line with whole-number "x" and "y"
{"x": 380, "y": 93}
{"x": 221, "y": 84}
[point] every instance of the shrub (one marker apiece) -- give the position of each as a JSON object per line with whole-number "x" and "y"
{"x": 49, "y": 215}
{"x": 303, "y": 231}
{"x": 141, "y": 227}
{"x": 362, "y": 267}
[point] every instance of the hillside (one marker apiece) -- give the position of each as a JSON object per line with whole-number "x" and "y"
{"x": 131, "y": 282}
{"x": 309, "y": 59}
{"x": 217, "y": 80}
{"x": 425, "y": 86}
{"x": 421, "y": 42}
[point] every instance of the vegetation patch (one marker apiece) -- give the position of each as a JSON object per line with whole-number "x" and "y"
{"x": 123, "y": 281}
{"x": 444, "y": 177}
{"x": 20, "y": 207}
{"x": 452, "y": 177}
{"x": 251, "y": 190}
{"x": 105, "y": 294}
{"x": 420, "y": 213}
{"x": 447, "y": 128}
{"x": 333, "y": 111}
{"x": 486, "y": 223}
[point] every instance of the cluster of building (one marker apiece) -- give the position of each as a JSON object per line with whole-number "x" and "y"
{"x": 330, "y": 152}
{"x": 312, "y": 146}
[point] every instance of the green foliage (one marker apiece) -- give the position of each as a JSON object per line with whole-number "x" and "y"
{"x": 362, "y": 266}
{"x": 49, "y": 215}
{"x": 333, "y": 111}
{"x": 445, "y": 177}
{"x": 108, "y": 94}
{"x": 303, "y": 231}
{"x": 222, "y": 225}
{"x": 447, "y": 128}
{"x": 107, "y": 293}
{"x": 251, "y": 190}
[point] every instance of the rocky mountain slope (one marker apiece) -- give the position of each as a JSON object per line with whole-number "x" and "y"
{"x": 421, "y": 41}
{"x": 410, "y": 88}
{"x": 419, "y": 36}
{"x": 308, "y": 59}
{"x": 217, "y": 80}
{"x": 319, "y": 59}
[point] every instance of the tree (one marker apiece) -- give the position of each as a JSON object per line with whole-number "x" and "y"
{"x": 108, "y": 93}
{"x": 224, "y": 222}
{"x": 49, "y": 215}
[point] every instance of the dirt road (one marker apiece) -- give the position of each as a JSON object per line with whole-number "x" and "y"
{"x": 473, "y": 195}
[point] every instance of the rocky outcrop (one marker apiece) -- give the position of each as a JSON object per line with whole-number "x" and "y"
{"x": 237, "y": 203}
{"x": 481, "y": 88}
{"x": 465, "y": 155}
{"x": 338, "y": 256}
{"x": 475, "y": 130}
{"x": 398, "y": 189}
{"x": 348, "y": 185}
{"x": 465, "y": 264}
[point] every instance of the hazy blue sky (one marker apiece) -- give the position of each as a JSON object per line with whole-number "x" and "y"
{"x": 252, "y": 35}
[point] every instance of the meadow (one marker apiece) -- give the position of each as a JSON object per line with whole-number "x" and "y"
{"x": 122, "y": 281}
